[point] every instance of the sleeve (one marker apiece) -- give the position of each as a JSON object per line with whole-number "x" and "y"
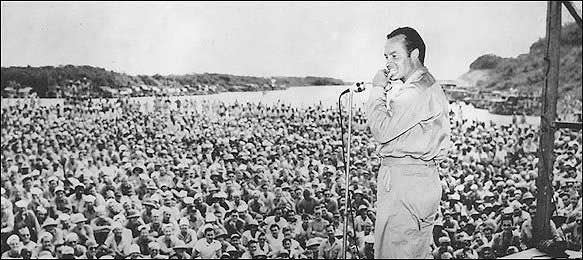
{"x": 523, "y": 237}
{"x": 321, "y": 252}
{"x": 408, "y": 109}
{"x": 554, "y": 231}
{"x": 196, "y": 247}
{"x": 9, "y": 223}
{"x": 309, "y": 230}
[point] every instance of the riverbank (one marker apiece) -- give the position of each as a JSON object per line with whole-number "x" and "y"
{"x": 300, "y": 97}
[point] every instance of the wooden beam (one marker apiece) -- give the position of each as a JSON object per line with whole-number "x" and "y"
{"x": 573, "y": 13}
{"x": 547, "y": 131}
{"x": 570, "y": 125}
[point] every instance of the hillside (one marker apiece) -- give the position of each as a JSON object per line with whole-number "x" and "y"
{"x": 48, "y": 80}
{"x": 525, "y": 73}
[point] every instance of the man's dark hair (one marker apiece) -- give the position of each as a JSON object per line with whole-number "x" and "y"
{"x": 208, "y": 229}
{"x": 412, "y": 41}
{"x": 507, "y": 218}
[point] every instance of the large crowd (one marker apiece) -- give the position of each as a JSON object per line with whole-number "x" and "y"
{"x": 127, "y": 179}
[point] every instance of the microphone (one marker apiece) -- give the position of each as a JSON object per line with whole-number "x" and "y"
{"x": 356, "y": 88}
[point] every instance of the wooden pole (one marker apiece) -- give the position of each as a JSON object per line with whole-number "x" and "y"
{"x": 547, "y": 131}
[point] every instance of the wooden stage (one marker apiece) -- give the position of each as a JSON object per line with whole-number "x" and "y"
{"x": 534, "y": 253}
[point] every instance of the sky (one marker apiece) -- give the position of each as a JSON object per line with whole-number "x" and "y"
{"x": 335, "y": 39}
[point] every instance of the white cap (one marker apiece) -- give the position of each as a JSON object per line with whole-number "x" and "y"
{"x": 67, "y": 250}
{"x": 12, "y": 239}
{"x": 89, "y": 198}
{"x": 188, "y": 200}
{"x": 21, "y": 203}
{"x": 35, "y": 191}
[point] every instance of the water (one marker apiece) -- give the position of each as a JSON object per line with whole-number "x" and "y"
{"x": 327, "y": 96}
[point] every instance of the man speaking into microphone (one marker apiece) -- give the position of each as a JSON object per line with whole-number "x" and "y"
{"x": 407, "y": 113}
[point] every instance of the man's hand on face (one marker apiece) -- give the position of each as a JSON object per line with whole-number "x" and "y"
{"x": 381, "y": 79}
{"x": 379, "y": 82}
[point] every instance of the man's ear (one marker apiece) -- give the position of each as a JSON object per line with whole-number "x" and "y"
{"x": 415, "y": 55}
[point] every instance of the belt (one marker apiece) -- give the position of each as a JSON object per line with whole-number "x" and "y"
{"x": 407, "y": 160}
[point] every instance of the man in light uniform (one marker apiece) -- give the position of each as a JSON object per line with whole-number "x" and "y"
{"x": 407, "y": 113}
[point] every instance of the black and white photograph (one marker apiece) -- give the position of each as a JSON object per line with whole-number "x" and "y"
{"x": 291, "y": 130}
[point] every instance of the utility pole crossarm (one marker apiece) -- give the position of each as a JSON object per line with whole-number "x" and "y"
{"x": 573, "y": 13}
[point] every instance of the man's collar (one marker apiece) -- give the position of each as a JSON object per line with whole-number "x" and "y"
{"x": 421, "y": 77}
{"x": 416, "y": 75}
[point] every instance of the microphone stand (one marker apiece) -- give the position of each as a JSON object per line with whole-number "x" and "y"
{"x": 347, "y": 158}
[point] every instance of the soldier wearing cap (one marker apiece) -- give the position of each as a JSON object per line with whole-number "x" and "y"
{"x": 168, "y": 240}
{"x": 367, "y": 231}
{"x": 294, "y": 246}
{"x": 251, "y": 232}
{"x": 312, "y": 248}
{"x": 281, "y": 199}
{"x": 7, "y": 216}
{"x": 236, "y": 200}
{"x": 67, "y": 252}
{"x": 450, "y": 224}
{"x": 60, "y": 202}
{"x": 155, "y": 226}
{"x": 250, "y": 250}
{"x": 81, "y": 228}
{"x": 24, "y": 234}
{"x": 186, "y": 234}
{"x": 519, "y": 215}
{"x": 45, "y": 244}
{"x": 180, "y": 251}
{"x": 118, "y": 239}
{"x": 236, "y": 249}
{"x": 360, "y": 218}
{"x": 575, "y": 204}
{"x": 37, "y": 199}
{"x": 149, "y": 205}
{"x": 154, "y": 251}
{"x": 192, "y": 213}
{"x": 234, "y": 224}
{"x": 443, "y": 246}
{"x": 465, "y": 252}
{"x": 15, "y": 247}
{"x": 25, "y": 217}
{"x": 359, "y": 200}
{"x": 527, "y": 198}
{"x": 89, "y": 207}
{"x": 72, "y": 240}
{"x": 143, "y": 239}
